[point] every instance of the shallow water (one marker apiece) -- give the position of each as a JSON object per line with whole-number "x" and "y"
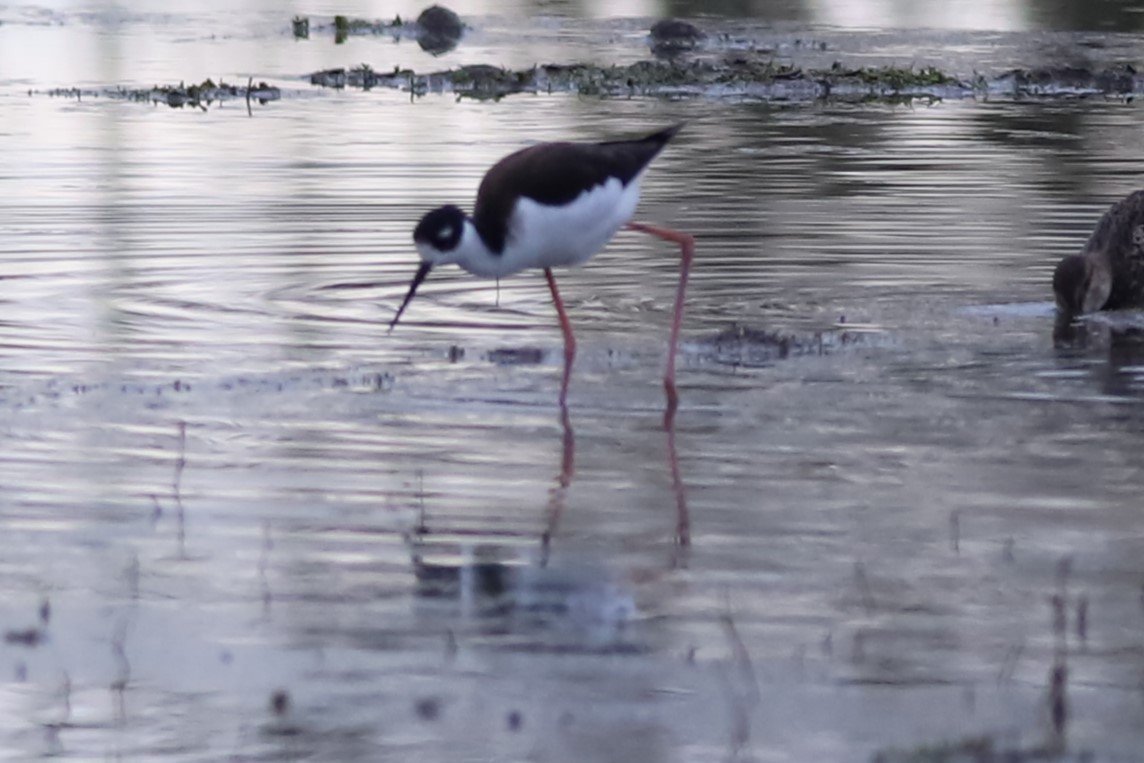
{"x": 226, "y": 479}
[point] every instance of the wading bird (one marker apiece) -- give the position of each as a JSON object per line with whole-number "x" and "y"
{"x": 1108, "y": 274}
{"x": 550, "y": 205}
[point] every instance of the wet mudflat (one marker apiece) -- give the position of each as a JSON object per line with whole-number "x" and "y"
{"x": 240, "y": 520}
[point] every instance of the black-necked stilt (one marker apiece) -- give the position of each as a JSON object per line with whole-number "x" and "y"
{"x": 1108, "y": 274}
{"x": 549, "y": 205}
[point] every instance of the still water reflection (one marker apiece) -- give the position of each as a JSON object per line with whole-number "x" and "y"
{"x": 223, "y": 479}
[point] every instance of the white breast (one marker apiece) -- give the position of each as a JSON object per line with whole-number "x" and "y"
{"x": 541, "y": 236}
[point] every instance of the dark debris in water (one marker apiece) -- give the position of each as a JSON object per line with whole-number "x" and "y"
{"x": 744, "y": 346}
{"x": 437, "y": 29}
{"x": 300, "y": 25}
{"x": 516, "y": 356}
{"x": 200, "y": 95}
{"x": 428, "y": 708}
{"x": 29, "y": 637}
{"x": 741, "y": 74}
{"x": 280, "y": 702}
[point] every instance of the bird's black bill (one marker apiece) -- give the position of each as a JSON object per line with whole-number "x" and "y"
{"x": 422, "y": 272}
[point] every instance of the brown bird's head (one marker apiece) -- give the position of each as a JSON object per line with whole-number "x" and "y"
{"x": 1082, "y": 284}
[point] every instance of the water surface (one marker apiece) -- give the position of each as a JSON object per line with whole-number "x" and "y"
{"x": 226, "y": 479}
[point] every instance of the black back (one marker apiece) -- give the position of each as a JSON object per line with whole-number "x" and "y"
{"x": 556, "y": 173}
{"x": 1120, "y": 233}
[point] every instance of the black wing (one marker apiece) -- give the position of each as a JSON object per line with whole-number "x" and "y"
{"x": 556, "y": 173}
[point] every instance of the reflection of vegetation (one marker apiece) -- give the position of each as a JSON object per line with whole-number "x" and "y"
{"x": 1103, "y": 15}
{"x": 1107, "y": 15}
{"x": 1036, "y": 127}
{"x": 1049, "y": 135}
{"x": 756, "y": 10}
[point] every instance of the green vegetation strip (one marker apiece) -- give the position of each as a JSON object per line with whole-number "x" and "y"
{"x": 743, "y": 75}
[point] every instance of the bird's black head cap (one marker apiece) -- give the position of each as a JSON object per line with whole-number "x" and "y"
{"x": 440, "y": 229}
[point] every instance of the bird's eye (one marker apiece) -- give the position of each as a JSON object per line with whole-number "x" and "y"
{"x": 445, "y": 233}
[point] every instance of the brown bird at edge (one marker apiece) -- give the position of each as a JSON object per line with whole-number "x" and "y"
{"x": 1108, "y": 274}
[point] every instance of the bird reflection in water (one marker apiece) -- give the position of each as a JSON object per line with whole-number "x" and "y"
{"x": 556, "y": 496}
{"x": 500, "y": 583}
{"x": 1122, "y": 375}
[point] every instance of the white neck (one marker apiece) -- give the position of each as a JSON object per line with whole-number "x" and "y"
{"x": 473, "y": 256}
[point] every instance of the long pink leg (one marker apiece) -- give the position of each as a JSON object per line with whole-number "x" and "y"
{"x": 682, "y": 516}
{"x": 569, "y": 339}
{"x": 556, "y": 494}
{"x": 687, "y": 253}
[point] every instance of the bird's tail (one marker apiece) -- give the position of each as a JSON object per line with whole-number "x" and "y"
{"x": 663, "y": 136}
{"x": 659, "y": 138}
